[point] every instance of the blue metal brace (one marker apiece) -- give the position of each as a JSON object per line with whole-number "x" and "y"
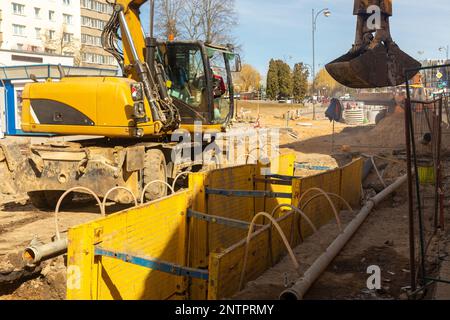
{"x": 234, "y": 223}
{"x": 281, "y": 177}
{"x": 154, "y": 264}
{"x": 248, "y": 194}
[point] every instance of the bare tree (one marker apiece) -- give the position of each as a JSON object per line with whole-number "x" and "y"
{"x": 78, "y": 55}
{"x": 61, "y": 42}
{"x": 168, "y": 17}
{"x": 218, "y": 19}
{"x": 207, "y": 20}
{"x": 191, "y": 21}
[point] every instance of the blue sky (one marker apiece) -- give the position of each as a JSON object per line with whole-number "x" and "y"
{"x": 282, "y": 29}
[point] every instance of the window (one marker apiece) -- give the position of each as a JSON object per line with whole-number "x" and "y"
{"x": 91, "y": 40}
{"x": 218, "y": 62}
{"x": 37, "y": 13}
{"x": 67, "y": 18}
{"x": 20, "y": 46}
{"x": 67, "y": 2}
{"x": 35, "y": 48}
{"x": 187, "y": 74}
{"x": 51, "y": 34}
{"x": 18, "y": 9}
{"x": 67, "y": 37}
{"x": 97, "y": 6}
{"x": 51, "y": 15}
{"x": 51, "y": 51}
{"x": 92, "y": 23}
{"x": 97, "y": 58}
{"x": 38, "y": 33}
{"x": 18, "y": 30}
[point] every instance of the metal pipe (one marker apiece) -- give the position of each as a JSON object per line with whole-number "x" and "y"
{"x": 128, "y": 36}
{"x": 36, "y": 253}
{"x": 300, "y": 288}
{"x": 417, "y": 189}
{"x": 412, "y": 240}
{"x": 152, "y": 18}
{"x": 439, "y": 190}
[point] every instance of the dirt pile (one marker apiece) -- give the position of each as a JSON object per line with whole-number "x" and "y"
{"x": 45, "y": 282}
{"x": 390, "y": 132}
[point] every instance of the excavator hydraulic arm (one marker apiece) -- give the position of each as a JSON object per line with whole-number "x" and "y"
{"x": 132, "y": 58}
{"x": 375, "y": 60}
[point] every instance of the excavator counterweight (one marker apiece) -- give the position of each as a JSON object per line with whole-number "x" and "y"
{"x": 375, "y": 60}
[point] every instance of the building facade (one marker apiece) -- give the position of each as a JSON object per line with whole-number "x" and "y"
{"x": 69, "y": 28}
{"x": 44, "y": 26}
{"x": 95, "y": 15}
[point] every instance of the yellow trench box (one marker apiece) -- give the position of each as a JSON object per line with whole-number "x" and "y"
{"x": 190, "y": 245}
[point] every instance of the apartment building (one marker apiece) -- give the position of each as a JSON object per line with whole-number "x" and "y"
{"x": 94, "y": 16}
{"x": 49, "y": 27}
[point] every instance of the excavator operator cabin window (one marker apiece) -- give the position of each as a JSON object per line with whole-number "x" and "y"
{"x": 218, "y": 62}
{"x": 189, "y": 86}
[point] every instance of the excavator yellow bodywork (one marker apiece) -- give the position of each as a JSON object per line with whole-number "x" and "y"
{"x": 100, "y": 106}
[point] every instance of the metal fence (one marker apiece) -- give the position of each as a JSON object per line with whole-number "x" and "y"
{"x": 427, "y": 120}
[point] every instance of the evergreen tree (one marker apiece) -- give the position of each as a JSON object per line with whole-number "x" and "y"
{"x": 300, "y": 81}
{"x": 272, "y": 81}
{"x": 284, "y": 80}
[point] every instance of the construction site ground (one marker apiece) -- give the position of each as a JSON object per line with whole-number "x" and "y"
{"x": 382, "y": 240}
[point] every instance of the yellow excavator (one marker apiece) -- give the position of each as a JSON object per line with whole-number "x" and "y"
{"x": 166, "y": 86}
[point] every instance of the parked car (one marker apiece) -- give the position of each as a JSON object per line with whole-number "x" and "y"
{"x": 346, "y": 97}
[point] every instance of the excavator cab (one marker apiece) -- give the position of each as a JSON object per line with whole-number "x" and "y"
{"x": 200, "y": 80}
{"x": 375, "y": 60}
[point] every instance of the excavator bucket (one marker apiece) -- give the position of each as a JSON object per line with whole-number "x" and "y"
{"x": 375, "y": 60}
{"x": 374, "y": 68}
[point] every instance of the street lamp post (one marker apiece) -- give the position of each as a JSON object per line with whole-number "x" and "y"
{"x": 326, "y": 12}
{"x": 444, "y": 49}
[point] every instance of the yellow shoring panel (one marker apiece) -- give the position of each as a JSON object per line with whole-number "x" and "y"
{"x": 282, "y": 165}
{"x": 156, "y": 230}
{"x": 278, "y": 249}
{"x": 225, "y": 267}
{"x": 351, "y": 178}
{"x": 240, "y": 208}
{"x": 159, "y": 230}
{"x": 319, "y": 210}
{"x": 198, "y": 240}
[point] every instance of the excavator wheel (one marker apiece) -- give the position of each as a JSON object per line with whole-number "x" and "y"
{"x": 47, "y": 200}
{"x": 155, "y": 169}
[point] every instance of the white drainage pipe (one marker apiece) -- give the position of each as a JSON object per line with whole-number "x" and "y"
{"x": 298, "y": 291}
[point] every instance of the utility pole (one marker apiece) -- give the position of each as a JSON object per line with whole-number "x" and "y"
{"x": 326, "y": 12}
{"x": 444, "y": 49}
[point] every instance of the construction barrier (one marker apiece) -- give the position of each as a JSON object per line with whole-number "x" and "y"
{"x": 132, "y": 254}
{"x": 191, "y": 245}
